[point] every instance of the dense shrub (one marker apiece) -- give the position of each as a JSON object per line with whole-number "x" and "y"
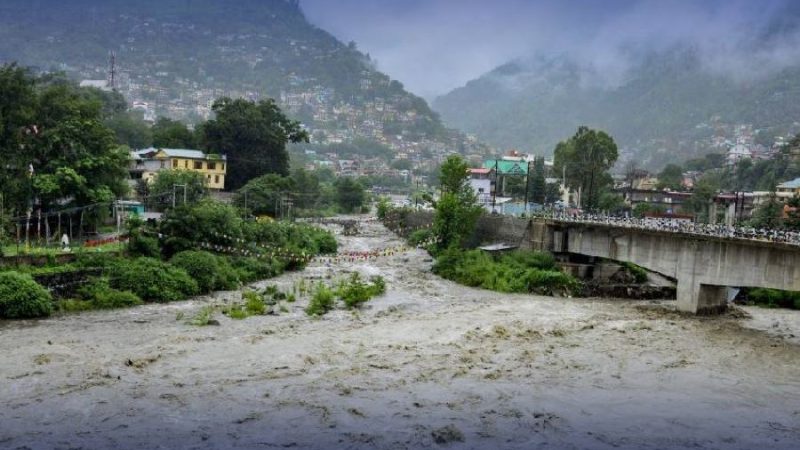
{"x": 100, "y": 295}
{"x": 354, "y": 291}
{"x": 143, "y": 246}
{"x": 205, "y": 221}
{"x": 383, "y": 207}
{"x": 639, "y": 274}
{"x": 774, "y": 298}
{"x": 212, "y": 272}
{"x": 321, "y": 302}
{"x": 325, "y": 242}
{"x": 152, "y": 280}
{"x": 21, "y": 297}
{"x": 97, "y": 260}
{"x": 420, "y": 236}
{"x": 249, "y": 269}
{"x": 519, "y": 271}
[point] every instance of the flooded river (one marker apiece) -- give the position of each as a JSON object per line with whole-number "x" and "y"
{"x": 430, "y": 364}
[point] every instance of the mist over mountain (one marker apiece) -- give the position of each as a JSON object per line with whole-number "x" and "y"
{"x": 667, "y": 79}
{"x": 667, "y": 106}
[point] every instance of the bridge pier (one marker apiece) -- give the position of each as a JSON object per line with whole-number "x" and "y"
{"x": 698, "y": 298}
{"x": 704, "y": 266}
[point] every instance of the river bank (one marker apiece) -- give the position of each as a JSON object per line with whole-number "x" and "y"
{"x": 429, "y": 363}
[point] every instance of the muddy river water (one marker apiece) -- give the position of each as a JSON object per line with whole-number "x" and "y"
{"x": 429, "y": 364}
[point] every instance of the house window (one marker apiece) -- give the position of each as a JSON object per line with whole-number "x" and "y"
{"x": 198, "y": 165}
{"x": 212, "y": 166}
{"x": 216, "y": 179}
{"x": 223, "y": 166}
{"x": 163, "y": 164}
{"x": 186, "y": 164}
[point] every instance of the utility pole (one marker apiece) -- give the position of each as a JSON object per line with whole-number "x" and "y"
{"x": 112, "y": 72}
{"x": 494, "y": 191}
{"x": 174, "y": 192}
{"x": 245, "y": 203}
{"x": 527, "y": 186}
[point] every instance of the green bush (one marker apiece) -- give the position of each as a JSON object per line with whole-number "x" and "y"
{"x": 520, "y": 271}
{"x": 143, "y": 246}
{"x": 527, "y": 259}
{"x": 420, "y": 236}
{"x": 98, "y": 260}
{"x": 212, "y": 272}
{"x": 101, "y": 295}
{"x": 325, "y": 243}
{"x": 152, "y": 280}
{"x": 21, "y": 297}
{"x": 639, "y": 274}
{"x": 203, "y": 317}
{"x": 254, "y": 303}
{"x": 774, "y": 298}
{"x": 383, "y": 207}
{"x": 321, "y": 302}
{"x": 249, "y": 269}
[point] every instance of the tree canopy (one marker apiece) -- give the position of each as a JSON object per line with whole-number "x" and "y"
{"x": 456, "y": 210}
{"x": 671, "y": 177}
{"x": 586, "y": 159}
{"x": 54, "y": 144}
{"x": 175, "y": 187}
{"x": 253, "y": 136}
{"x": 168, "y": 133}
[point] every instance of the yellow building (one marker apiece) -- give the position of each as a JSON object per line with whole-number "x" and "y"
{"x": 145, "y": 164}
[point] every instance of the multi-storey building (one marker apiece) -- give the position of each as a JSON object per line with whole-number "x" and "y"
{"x": 145, "y": 164}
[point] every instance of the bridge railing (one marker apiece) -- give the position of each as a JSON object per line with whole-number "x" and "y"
{"x": 669, "y": 225}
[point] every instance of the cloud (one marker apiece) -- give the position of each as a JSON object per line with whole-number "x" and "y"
{"x": 433, "y": 46}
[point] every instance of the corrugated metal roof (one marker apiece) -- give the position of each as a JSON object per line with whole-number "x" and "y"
{"x": 176, "y": 153}
{"x": 794, "y": 184}
{"x": 505, "y": 167}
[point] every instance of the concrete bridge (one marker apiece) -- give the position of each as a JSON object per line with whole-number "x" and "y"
{"x": 702, "y": 265}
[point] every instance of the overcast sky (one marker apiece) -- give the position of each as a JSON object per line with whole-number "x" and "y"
{"x": 433, "y": 46}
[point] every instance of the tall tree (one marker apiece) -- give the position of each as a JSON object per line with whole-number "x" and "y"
{"x": 253, "y": 136}
{"x": 168, "y": 133}
{"x": 538, "y": 183}
{"x": 17, "y": 114}
{"x": 350, "y": 194}
{"x": 307, "y": 189}
{"x": 586, "y": 158}
{"x": 263, "y": 195}
{"x": 671, "y": 177}
{"x": 454, "y": 176}
{"x": 54, "y": 145}
{"x": 456, "y": 210}
{"x": 130, "y": 130}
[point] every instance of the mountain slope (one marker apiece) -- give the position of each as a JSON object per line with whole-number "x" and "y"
{"x": 179, "y": 55}
{"x": 668, "y": 101}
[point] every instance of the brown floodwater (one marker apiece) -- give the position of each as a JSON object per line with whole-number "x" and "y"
{"x": 430, "y": 363}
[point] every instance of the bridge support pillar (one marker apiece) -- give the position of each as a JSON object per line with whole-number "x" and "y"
{"x": 698, "y": 298}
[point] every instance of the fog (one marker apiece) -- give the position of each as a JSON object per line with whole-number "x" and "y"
{"x": 435, "y": 46}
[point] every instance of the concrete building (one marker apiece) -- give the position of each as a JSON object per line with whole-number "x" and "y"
{"x": 790, "y": 187}
{"x": 145, "y": 164}
{"x": 482, "y": 183}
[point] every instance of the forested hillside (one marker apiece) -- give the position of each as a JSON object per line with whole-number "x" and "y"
{"x": 667, "y": 106}
{"x": 177, "y": 56}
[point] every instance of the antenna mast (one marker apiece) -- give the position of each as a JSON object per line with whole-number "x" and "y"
{"x": 112, "y": 73}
